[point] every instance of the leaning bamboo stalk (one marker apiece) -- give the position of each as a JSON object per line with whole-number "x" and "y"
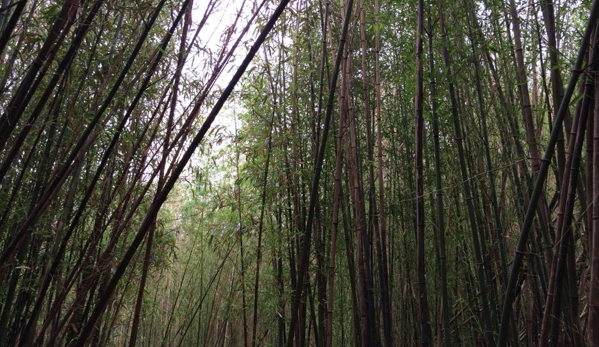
{"x": 593, "y": 301}
{"x": 542, "y": 175}
{"x": 39, "y": 67}
{"x": 11, "y": 25}
{"x": 565, "y": 215}
{"x": 561, "y": 212}
{"x": 82, "y": 145}
{"x": 114, "y": 141}
{"x": 535, "y": 156}
{"x": 162, "y": 195}
{"x": 149, "y": 241}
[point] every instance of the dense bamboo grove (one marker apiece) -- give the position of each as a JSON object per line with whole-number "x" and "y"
{"x": 303, "y": 173}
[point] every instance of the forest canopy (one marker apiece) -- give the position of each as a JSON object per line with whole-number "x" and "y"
{"x": 299, "y": 173}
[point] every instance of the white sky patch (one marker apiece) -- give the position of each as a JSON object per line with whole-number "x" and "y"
{"x": 220, "y": 138}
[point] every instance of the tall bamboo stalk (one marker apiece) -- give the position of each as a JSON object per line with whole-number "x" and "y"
{"x": 333, "y": 252}
{"x": 263, "y": 207}
{"x": 446, "y": 309}
{"x": 383, "y": 239}
{"x": 466, "y": 183}
{"x": 306, "y": 237}
{"x": 425, "y": 328}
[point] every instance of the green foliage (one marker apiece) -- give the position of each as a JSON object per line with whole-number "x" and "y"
{"x": 81, "y": 167}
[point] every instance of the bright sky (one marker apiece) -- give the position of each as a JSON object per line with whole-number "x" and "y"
{"x": 210, "y": 39}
